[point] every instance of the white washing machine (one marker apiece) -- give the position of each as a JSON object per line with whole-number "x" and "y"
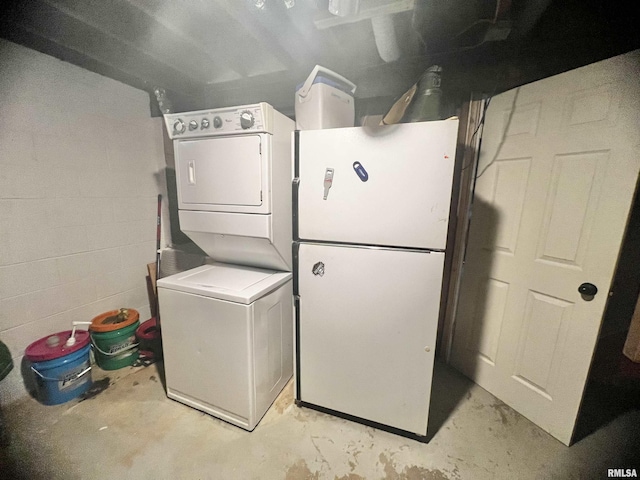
{"x": 227, "y": 339}
{"x": 227, "y": 327}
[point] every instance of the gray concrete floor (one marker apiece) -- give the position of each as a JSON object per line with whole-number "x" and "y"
{"x": 132, "y": 430}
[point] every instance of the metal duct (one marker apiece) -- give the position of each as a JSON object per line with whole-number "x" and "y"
{"x": 385, "y": 35}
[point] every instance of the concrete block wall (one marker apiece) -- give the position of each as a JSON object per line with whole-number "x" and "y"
{"x": 81, "y": 165}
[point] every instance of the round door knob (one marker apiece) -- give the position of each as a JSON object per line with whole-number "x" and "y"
{"x": 588, "y": 289}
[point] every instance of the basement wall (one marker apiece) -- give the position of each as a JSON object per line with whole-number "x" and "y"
{"x": 81, "y": 165}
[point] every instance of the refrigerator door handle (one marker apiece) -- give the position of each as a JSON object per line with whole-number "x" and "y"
{"x": 296, "y": 319}
{"x": 295, "y": 187}
{"x": 192, "y": 172}
{"x": 328, "y": 181}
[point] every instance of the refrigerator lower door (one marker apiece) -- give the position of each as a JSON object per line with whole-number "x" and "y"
{"x": 367, "y": 324}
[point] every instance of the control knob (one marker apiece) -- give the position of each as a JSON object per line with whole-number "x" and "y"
{"x": 179, "y": 126}
{"x": 246, "y": 120}
{"x": 193, "y": 125}
{"x": 217, "y": 122}
{"x": 205, "y": 123}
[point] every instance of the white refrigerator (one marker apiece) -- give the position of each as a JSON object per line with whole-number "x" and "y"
{"x": 371, "y": 215}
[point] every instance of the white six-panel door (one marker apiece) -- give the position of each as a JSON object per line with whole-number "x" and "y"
{"x": 557, "y": 172}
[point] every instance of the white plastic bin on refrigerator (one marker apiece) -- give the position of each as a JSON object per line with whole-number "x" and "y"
{"x": 324, "y": 100}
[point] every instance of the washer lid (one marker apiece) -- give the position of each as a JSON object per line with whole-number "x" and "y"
{"x": 234, "y": 283}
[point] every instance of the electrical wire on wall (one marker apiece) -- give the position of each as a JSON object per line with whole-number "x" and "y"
{"x": 487, "y": 101}
{"x": 490, "y": 21}
{"x": 513, "y": 107}
{"x": 477, "y": 175}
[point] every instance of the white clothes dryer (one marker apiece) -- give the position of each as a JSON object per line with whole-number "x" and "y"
{"x": 233, "y": 174}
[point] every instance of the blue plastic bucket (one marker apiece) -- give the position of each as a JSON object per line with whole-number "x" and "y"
{"x": 65, "y": 377}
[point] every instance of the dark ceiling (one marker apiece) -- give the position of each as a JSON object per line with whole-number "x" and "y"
{"x": 213, "y": 53}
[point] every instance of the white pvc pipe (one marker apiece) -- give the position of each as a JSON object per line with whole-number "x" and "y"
{"x": 72, "y": 339}
{"x": 344, "y": 8}
{"x": 385, "y": 35}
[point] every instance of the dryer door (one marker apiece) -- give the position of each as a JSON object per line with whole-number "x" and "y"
{"x": 223, "y": 174}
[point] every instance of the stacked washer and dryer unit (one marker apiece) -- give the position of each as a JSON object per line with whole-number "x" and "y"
{"x": 227, "y": 325}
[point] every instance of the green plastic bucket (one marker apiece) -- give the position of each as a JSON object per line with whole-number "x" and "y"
{"x": 114, "y": 339}
{"x": 115, "y": 349}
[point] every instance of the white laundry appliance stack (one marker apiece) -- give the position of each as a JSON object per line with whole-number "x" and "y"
{"x": 227, "y": 326}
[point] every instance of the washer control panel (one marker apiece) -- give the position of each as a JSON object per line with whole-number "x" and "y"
{"x": 220, "y": 121}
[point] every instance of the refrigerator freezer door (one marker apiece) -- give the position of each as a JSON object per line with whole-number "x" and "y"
{"x": 389, "y": 185}
{"x": 367, "y": 330}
